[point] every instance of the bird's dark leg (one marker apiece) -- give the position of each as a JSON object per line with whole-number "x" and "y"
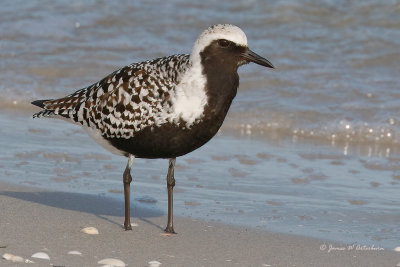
{"x": 170, "y": 188}
{"x": 127, "y": 179}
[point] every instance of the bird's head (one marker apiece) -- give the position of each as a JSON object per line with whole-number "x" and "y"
{"x": 225, "y": 44}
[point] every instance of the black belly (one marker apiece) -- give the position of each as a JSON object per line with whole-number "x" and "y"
{"x": 169, "y": 140}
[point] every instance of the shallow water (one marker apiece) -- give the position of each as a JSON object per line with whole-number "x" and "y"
{"x": 307, "y": 189}
{"x": 310, "y": 148}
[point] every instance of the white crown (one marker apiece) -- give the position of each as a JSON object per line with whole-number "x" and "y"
{"x": 221, "y": 31}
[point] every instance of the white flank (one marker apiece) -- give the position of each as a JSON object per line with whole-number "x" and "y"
{"x": 190, "y": 96}
{"x": 98, "y": 138}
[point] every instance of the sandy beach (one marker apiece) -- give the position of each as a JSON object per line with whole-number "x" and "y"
{"x": 42, "y": 221}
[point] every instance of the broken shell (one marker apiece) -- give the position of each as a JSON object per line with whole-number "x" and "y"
{"x": 154, "y": 264}
{"x": 112, "y": 262}
{"x": 7, "y": 256}
{"x": 90, "y": 231}
{"x": 13, "y": 258}
{"x": 74, "y": 252}
{"x": 41, "y": 255}
{"x": 166, "y": 234}
{"x": 17, "y": 259}
{"x": 29, "y": 261}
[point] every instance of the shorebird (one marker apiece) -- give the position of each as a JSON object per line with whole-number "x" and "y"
{"x": 161, "y": 108}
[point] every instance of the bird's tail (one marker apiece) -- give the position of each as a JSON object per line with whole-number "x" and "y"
{"x": 41, "y": 104}
{"x": 65, "y": 107}
{"x": 53, "y": 107}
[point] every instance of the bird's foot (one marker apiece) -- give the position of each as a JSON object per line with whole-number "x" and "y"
{"x": 170, "y": 230}
{"x": 128, "y": 227}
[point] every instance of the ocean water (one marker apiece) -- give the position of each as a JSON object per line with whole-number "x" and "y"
{"x": 311, "y": 148}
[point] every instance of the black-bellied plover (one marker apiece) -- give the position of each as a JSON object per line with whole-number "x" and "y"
{"x": 161, "y": 108}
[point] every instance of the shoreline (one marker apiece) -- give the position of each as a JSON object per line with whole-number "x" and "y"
{"x": 43, "y": 221}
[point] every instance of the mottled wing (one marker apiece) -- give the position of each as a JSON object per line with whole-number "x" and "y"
{"x": 134, "y": 103}
{"x": 124, "y": 102}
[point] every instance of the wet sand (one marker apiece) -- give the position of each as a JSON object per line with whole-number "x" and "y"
{"x": 43, "y": 221}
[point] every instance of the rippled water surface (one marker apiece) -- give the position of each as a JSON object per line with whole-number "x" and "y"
{"x": 310, "y": 148}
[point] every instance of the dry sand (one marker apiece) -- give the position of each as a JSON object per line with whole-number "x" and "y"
{"x": 34, "y": 220}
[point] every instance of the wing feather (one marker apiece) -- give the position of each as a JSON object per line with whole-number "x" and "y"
{"x": 124, "y": 102}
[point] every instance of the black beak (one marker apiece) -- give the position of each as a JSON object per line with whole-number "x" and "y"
{"x": 253, "y": 57}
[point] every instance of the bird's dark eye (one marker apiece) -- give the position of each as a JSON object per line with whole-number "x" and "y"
{"x": 224, "y": 43}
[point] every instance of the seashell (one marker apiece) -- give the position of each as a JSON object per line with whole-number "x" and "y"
{"x": 112, "y": 262}
{"x": 154, "y": 264}
{"x": 41, "y": 255}
{"x": 74, "y": 252}
{"x": 13, "y": 258}
{"x": 397, "y": 249}
{"x": 17, "y": 259}
{"x": 166, "y": 234}
{"x": 29, "y": 261}
{"x": 7, "y": 256}
{"x": 90, "y": 231}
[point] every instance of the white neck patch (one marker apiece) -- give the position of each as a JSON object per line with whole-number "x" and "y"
{"x": 190, "y": 96}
